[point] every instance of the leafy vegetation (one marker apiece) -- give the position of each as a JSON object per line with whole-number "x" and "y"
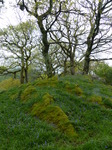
{"x": 105, "y": 72}
{"x": 64, "y": 119}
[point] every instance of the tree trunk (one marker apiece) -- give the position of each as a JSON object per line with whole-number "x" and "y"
{"x": 87, "y": 60}
{"x": 65, "y": 66}
{"x": 22, "y": 67}
{"x": 45, "y": 48}
{"x": 22, "y": 75}
{"x": 48, "y": 64}
{"x": 26, "y": 72}
{"x": 26, "y": 75}
{"x": 72, "y": 65}
{"x": 14, "y": 75}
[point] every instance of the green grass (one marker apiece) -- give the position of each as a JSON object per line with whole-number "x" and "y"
{"x": 19, "y": 130}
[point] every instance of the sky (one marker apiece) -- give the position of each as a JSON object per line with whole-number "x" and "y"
{"x": 10, "y": 15}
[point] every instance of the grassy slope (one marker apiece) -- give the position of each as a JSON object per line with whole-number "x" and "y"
{"x": 91, "y": 120}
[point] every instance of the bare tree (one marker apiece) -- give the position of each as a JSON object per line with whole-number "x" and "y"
{"x": 46, "y": 13}
{"x": 20, "y": 42}
{"x": 96, "y": 12}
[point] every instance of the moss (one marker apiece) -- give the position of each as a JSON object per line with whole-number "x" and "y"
{"x": 96, "y": 99}
{"x": 78, "y": 91}
{"x": 73, "y": 88}
{"x": 26, "y": 94}
{"x": 45, "y": 110}
{"x": 14, "y": 96}
{"x": 9, "y": 83}
{"x": 47, "y": 81}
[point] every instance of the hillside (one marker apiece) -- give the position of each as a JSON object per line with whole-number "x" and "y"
{"x": 66, "y": 113}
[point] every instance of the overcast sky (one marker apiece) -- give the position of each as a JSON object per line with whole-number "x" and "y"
{"x": 10, "y": 14}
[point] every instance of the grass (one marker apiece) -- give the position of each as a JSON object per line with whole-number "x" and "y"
{"x": 91, "y": 118}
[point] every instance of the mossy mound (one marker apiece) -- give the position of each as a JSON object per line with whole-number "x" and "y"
{"x": 74, "y": 89}
{"x": 9, "y": 83}
{"x": 46, "y": 111}
{"x": 96, "y": 99}
{"x": 47, "y": 81}
{"x": 28, "y": 93}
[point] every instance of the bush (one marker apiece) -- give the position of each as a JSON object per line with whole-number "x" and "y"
{"x": 105, "y": 72}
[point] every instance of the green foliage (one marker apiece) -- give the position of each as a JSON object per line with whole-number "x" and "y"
{"x": 53, "y": 114}
{"x": 9, "y": 83}
{"x": 107, "y": 102}
{"x": 2, "y": 69}
{"x": 104, "y": 71}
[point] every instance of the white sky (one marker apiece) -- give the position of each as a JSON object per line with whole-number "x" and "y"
{"x": 10, "y": 14}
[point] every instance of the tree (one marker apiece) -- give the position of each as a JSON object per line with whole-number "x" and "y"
{"x": 20, "y": 42}
{"x": 46, "y": 13}
{"x": 69, "y": 37}
{"x": 97, "y": 13}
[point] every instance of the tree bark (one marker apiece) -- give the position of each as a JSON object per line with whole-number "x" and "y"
{"x": 45, "y": 48}
{"x": 65, "y": 66}
{"x": 72, "y": 65}
{"x": 86, "y": 64}
{"x": 22, "y": 67}
{"x": 26, "y": 72}
{"x": 48, "y": 64}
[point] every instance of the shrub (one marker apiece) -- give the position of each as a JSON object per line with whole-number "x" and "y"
{"x": 105, "y": 72}
{"x": 45, "y": 110}
{"x": 107, "y": 102}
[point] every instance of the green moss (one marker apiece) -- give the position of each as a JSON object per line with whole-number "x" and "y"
{"x": 78, "y": 91}
{"x": 9, "y": 83}
{"x": 47, "y": 81}
{"x": 26, "y": 94}
{"x": 73, "y": 88}
{"x": 14, "y": 96}
{"x": 96, "y": 99}
{"x": 53, "y": 114}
